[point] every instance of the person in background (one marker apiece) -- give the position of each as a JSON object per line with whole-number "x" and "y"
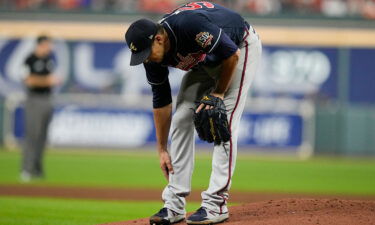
{"x": 38, "y": 107}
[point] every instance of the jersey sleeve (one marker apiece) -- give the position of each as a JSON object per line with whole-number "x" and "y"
{"x": 157, "y": 77}
{"x": 208, "y": 37}
{"x": 26, "y": 67}
{"x": 225, "y": 47}
{"x": 28, "y": 62}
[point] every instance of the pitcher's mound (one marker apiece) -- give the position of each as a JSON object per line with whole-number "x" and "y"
{"x": 295, "y": 212}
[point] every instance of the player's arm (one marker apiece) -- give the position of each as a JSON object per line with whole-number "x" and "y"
{"x": 227, "y": 51}
{"x": 34, "y": 80}
{"x": 157, "y": 77}
{"x": 162, "y": 120}
{"x": 213, "y": 40}
{"x": 226, "y": 76}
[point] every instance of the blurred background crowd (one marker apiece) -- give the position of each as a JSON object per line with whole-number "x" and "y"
{"x": 326, "y": 8}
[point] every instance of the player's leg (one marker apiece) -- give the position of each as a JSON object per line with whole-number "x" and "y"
{"x": 27, "y": 148}
{"x": 181, "y": 150}
{"x": 32, "y": 133}
{"x": 194, "y": 84}
{"x": 224, "y": 156}
{"x": 46, "y": 110}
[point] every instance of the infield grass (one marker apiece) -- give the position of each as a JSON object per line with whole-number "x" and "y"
{"x": 46, "y": 211}
{"x": 141, "y": 170}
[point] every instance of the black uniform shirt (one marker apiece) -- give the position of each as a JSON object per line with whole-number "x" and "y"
{"x": 201, "y": 33}
{"x": 39, "y": 66}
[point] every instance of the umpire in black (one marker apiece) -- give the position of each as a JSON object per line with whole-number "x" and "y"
{"x": 39, "y": 81}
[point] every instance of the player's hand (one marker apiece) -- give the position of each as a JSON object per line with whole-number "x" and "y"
{"x": 206, "y": 107}
{"x": 165, "y": 163}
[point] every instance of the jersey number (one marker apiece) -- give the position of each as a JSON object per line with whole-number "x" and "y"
{"x": 196, "y": 5}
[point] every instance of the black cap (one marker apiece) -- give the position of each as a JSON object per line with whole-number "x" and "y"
{"x": 139, "y": 38}
{"x": 42, "y": 38}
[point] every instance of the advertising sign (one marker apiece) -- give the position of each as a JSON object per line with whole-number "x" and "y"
{"x": 297, "y": 71}
{"x": 74, "y": 126}
{"x": 103, "y": 67}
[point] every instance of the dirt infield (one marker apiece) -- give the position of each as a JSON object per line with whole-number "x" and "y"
{"x": 260, "y": 208}
{"x": 296, "y": 212}
{"x": 128, "y": 194}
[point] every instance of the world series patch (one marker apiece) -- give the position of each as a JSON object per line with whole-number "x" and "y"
{"x": 204, "y": 39}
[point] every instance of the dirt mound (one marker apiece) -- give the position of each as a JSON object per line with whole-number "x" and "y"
{"x": 296, "y": 212}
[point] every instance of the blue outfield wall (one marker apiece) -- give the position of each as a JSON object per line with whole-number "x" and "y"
{"x": 103, "y": 68}
{"x": 287, "y": 72}
{"x": 126, "y": 128}
{"x": 362, "y": 76}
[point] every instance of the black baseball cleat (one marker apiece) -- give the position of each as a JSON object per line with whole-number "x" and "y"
{"x": 165, "y": 217}
{"x": 206, "y": 216}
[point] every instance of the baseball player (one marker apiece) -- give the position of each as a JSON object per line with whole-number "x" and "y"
{"x": 220, "y": 52}
{"x": 39, "y": 81}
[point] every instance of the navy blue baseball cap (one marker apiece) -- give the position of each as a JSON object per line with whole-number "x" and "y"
{"x": 139, "y": 38}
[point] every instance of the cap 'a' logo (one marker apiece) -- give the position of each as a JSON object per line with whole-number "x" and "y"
{"x": 204, "y": 39}
{"x": 132, "y": 47}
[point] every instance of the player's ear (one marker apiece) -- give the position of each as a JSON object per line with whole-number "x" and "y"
{"x": 158, "y": 38}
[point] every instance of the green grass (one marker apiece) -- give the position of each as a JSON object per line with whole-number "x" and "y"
{"x": 44, "y": 211}
{"x": 141, "y": 170}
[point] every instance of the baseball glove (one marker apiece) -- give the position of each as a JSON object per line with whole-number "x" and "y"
{"x": 212, "y": 124}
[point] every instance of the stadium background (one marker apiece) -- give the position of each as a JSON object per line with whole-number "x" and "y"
{"x": 308, "y": 128}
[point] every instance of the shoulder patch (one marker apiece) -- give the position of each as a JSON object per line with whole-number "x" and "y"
{"x": 204, "y": 39}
